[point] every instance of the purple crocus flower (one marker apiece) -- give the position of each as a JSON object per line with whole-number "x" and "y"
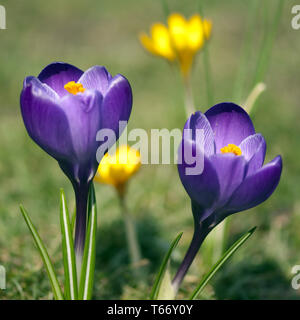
{"x": 63, "y": 109}
{"x": 234, "y": 177}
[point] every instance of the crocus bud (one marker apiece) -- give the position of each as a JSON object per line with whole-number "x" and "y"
{"x": 117, "y": 169}
{"x": 234, "y": 176}
{"x": 63, "y": 109}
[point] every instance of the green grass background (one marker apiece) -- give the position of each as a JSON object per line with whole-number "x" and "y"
{"x": 90, "y": 32}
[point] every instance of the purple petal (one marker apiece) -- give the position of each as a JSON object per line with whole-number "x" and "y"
{"x": 202, "y": 188}
{"x": 40, "y": 88}
{"x": 45, "y": 120}
{"x": 96, "y": 78}
{"x": 199, "y": 121}
{"x": 254, "y": 150}
{"x": 57, "y": 74}
{"x": 83, "y": 112}
{"x": 231, "y": 171}
{"x": 256, "y": 188}
{"x": 230, "y": 124}
{"x": 117, "y": 104}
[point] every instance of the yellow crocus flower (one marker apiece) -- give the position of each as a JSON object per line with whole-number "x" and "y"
{"x": 117, "y": 169}
{"x": 179, "y": 41}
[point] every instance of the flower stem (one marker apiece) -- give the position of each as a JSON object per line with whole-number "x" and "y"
{"x": 81, "y": 194}
{"x": 219, "y": 239}
{"x": 253, "y": 96}
{"x": 188, "y": 96}
{"x": 165, "y": 8}
{"x": 243, "y": 70}
{"x": 267, "y": 43}
{"x": 200, "y": 234}
{"x": 131, "y": 236}
{"x": 206, "y": 63}
{"x": 208, "y": 76}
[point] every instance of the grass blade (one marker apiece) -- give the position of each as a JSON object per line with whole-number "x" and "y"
{"x": 207, "y": 64}
{"x": 267, "y": 44}
{"x": 73, "y": 220}
{"x": 253, "y": 96}
{"x": 161, "y": 273}
{"x": 44, "y": 254}
{"x": 266, "y": 48}
{"x": 89, "y": 256}
{"x": 219, "y": 264}
{"x": 243, "y": 70}
{"x": 71, "y": 289}
{"x": 165, "y": 7}
{"x": 166, "y": 290}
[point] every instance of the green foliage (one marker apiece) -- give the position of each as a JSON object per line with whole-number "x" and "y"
{"x": 220, "y": 263}
{"x": 162, "y": 286}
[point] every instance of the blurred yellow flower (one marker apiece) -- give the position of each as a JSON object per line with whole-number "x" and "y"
{"x": 179, "y": 41}
{"x": 118, "y": 168}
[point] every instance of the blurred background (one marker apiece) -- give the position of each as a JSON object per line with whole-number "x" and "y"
{"x": 91, "y": 32}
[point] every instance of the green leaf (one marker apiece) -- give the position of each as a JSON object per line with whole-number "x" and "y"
{"x": 162, "y": 271}
{"x": 166, "y": 290}
{"x": 71, "y": 289}
{"x": 58, "y": 295}
{"x": 89, "y": 255}
{"x": 219, "y": 264}
{"x": 207, "y": 64}
{"x": 267, "y": 42}
{"x": 165, "y": 8}
{"x": 73, "y": 220}
{"x": 243, "y": 69}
